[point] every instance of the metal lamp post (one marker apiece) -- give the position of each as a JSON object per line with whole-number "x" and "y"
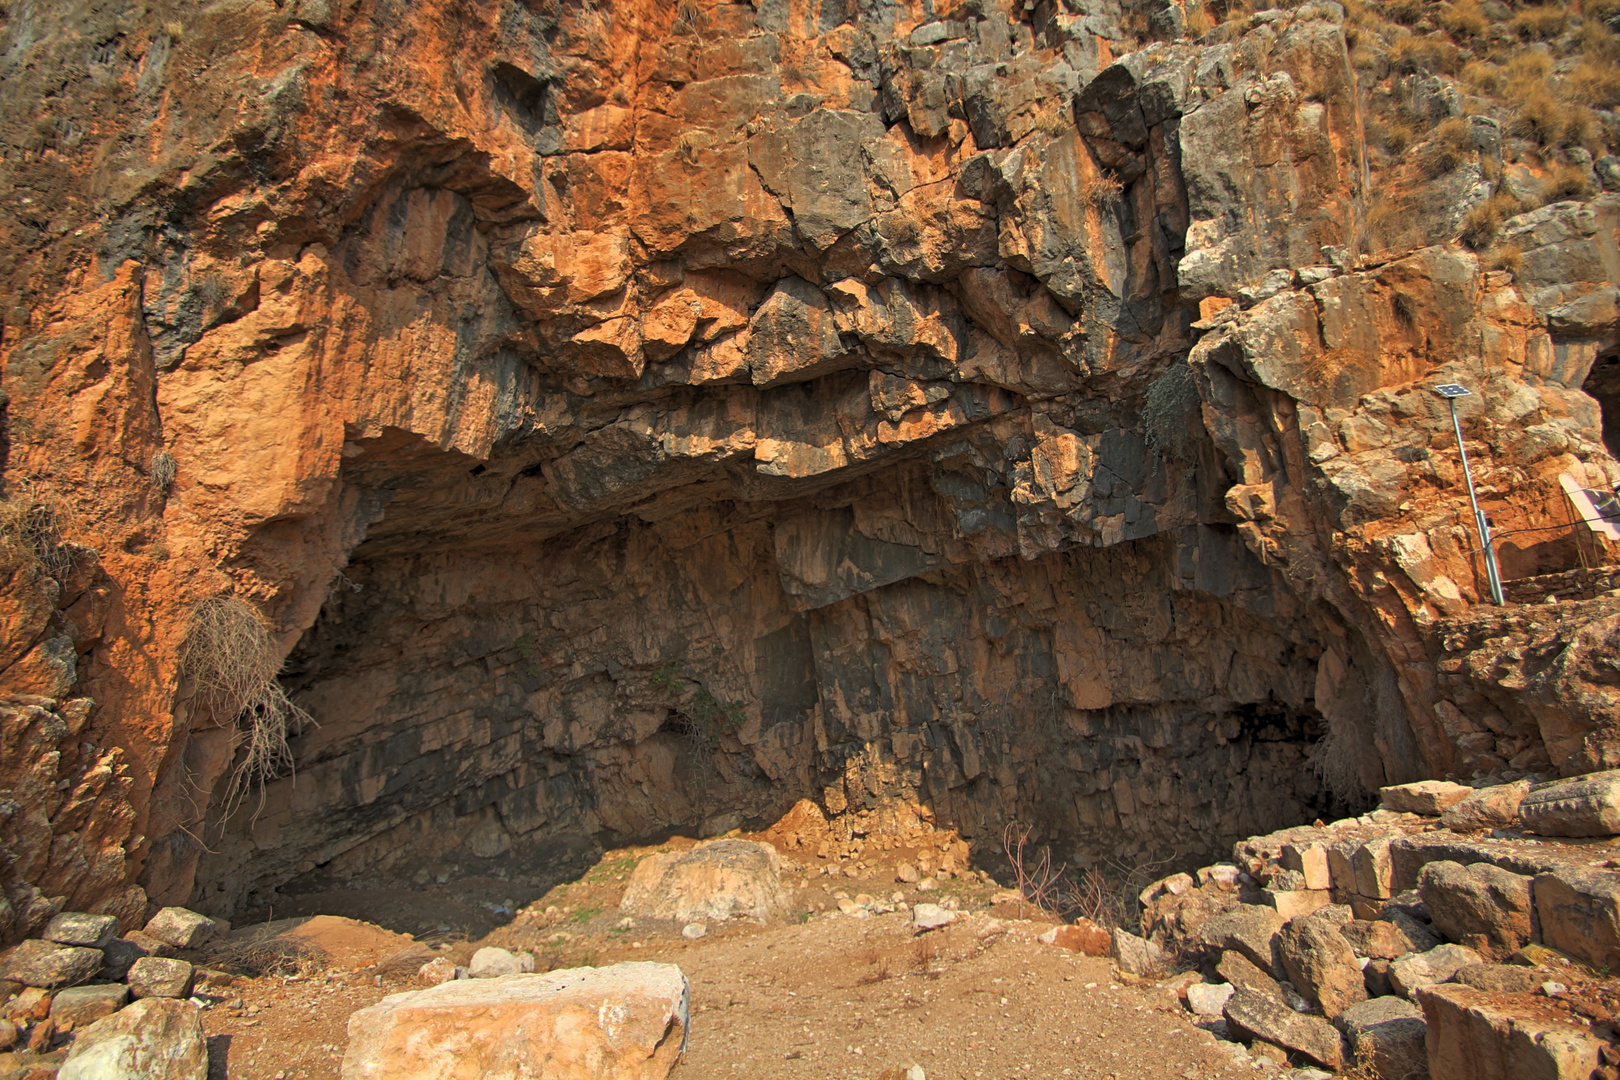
{"x": 1451, "y": 392}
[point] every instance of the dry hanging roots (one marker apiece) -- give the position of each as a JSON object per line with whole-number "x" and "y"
{"x": 233, "y": 662}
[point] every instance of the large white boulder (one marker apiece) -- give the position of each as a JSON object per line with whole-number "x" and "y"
{"x": 625, "y": 1022}
{"x": 153, "y": 1039}
{"x": 709, "y": 883}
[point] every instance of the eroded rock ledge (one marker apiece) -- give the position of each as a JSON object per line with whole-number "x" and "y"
{"x": 648, "y": 417}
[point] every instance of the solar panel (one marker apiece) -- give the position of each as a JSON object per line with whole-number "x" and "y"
{"x": 1452, "y": 390}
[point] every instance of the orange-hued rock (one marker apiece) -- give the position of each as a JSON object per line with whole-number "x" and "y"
{"x": 624, "y": 1022}
{"x": 640, "y": 416}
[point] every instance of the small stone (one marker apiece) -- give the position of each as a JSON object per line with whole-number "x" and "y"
{"x": 78, "y": 928}
{"x": 931, "y": 916}
{"x": 1494, "y": 807}
{"x": 491, "y": 963}
{"x": 33, "y": 1003}
{"x": 1241, "y": 972}
{"x": 927, "y": 884}
{"x": 907, "y": 873}
{"x": 1135, "y": 955}
{"x": 47, "y": 964}
{"x": 1310, "y": 861}
{"x": 155, "y": 1039}
{"x": 1437, "y": 965}
{"x": 1553, "y": 989}
{"x": 181, "y": 928}
{"x": 80, "y": 1006}
{"x": 1497, "y": 978}
{"x": 1380, "y": 940}
{"x": 438, "y": 970}
{"x": 1083, "y": 936}
{"x": 1209, "y": 999}
{"x": 1427, "y": 797}
{"x": 693, "y": 931}
{"x": 9, "y": 1034}
{"x": 160, "y": 977}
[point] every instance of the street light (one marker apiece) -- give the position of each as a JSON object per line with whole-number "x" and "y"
{"x": 1451, "y": 392}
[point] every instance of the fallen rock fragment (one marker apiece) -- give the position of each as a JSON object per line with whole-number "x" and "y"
{"x": 1380, "y": 939}
{"x": 1209, "y": 999}
{"x": 1427, "y": 797}
{"x": 1386, "y": 1037}
{"x": 1425, "y": 969}
{"x": 46, "y": 964}
{"x": 119, "y": 956}
{"x": 1473, "y": 1033}
{"x": 931, "y": 917}
{"x": 1242, "y": 973}
{"x": 1249, "y": 929}
{"x": 181, "y": 928}
{"x": 154, "y": 1039}
{"x": 1494, "y": 807}
{"x": 624, "y": 1022}
{"x": 1579, "y": 913}
{"x": 1588, "y": 806}
{"x": 1498, "y": 978}
{"x": 1082, "y": 936}
{"x": 78, "y": 928}
{"x": 710, "y": 883}
{"x": 491, "y": 963}
{"x": 441, "y": 969}
{"x": 1481, "y": 906}
{"x": 1252, "y": 1016}
{"x": 160, "y": 977}
{"x": 1321, "y": 964}
{"x": 81, "y": 1006}
{"x": 1136, "y": 956}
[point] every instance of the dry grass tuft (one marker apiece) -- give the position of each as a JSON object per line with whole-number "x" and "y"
{"x": 1509, "y": 257}
{"x": 1484, "y": 221}
{"x": 1540, "y": 23}
{"x": 1464, "y": 19}
{"x": 1451, "y": 145}
{"x": 31, "y": 532}
{"x": 163, "y": 470}
{"x": 232, "y": 662}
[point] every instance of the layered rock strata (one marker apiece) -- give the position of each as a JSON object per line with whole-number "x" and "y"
{"x": 641, "y": 416}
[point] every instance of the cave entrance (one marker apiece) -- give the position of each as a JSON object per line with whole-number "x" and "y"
{"x": 1603, "y": 384}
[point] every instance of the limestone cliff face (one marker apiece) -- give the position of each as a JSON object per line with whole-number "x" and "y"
{"x": 636, "y": 415}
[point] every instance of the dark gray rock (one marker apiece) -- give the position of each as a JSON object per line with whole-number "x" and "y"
{"x": 121, "y": 953}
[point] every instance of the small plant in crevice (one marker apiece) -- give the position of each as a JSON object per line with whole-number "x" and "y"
{"x": 696, "y": 715}
{"x": 31, "y": 531}
{"x": 232, "y": 661}
{"x": 163, "y": 470}
{"x": 1168, "y": 411}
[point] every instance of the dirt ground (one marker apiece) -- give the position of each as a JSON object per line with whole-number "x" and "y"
{"x": 828, "y": 995}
